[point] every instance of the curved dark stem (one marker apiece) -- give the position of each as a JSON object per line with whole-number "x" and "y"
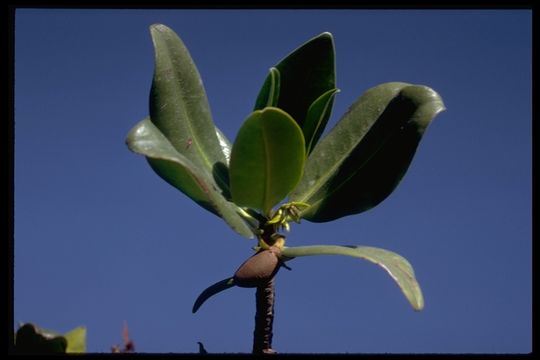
{"x": 264, "y": 318}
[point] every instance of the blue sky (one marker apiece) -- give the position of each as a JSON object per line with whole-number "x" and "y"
{"x": 100, "y": 238}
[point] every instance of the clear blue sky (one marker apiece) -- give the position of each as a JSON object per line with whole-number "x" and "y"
{"x": 100, "y": 238}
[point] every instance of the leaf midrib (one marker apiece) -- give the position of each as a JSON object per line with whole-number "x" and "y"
{"x": 267, "y": 169}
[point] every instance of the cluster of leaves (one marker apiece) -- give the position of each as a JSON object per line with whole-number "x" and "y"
{"x": 279, "y": 151}
{"x": 31, "y": 339}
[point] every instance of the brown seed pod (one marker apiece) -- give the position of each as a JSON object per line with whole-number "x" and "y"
{"x": 258, "y": 269}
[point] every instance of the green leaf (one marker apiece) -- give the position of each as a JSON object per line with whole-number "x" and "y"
{"x": 362, "y": 160}
{"x": 317, "y": 117}
{"x": 305, "y": 75}
{"x": 76, "y": 340}
{"x": 267, "y": 159}
{"x": 179, "y": 107}
{"x": 269, "y": 94}
{"x": 212, "y": 290}
{"x": 395, "y": 265}
{"x": 179, "y": 171}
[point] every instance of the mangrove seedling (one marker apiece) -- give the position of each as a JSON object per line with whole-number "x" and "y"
{"x": 280, "y": 169}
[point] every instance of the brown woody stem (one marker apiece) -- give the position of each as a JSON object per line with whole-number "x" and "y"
{"x": 264, "y": 318}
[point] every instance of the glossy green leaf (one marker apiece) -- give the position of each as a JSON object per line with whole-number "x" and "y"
{"x": 179, "y": 109}
{"x": 269, "y": 94}
{"x": 211, "y": 291}
{"x": 395, "y": 265}
{"x": 317, "y": 117}
{"x": 362, "y": 160}
{"x": 146, "y": 139}
{"x": 267, "y": 159}
{"x": 305, "y": 74}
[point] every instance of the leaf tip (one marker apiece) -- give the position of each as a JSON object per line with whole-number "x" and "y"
{"x": 418, "y": 305}
{"x": 425, "y": 94}
{"x": 158, "y": 27}
{"x": 326, "y": 34}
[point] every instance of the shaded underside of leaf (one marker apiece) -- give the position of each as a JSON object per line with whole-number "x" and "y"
{"x": 177, "y": 175}
{"x": 179, "y": 106}
{"x": 362, "y": 160}
{"x": 146, "y": 139}
{"x": 394, "y": 264}
{"x": 267, "y": 159}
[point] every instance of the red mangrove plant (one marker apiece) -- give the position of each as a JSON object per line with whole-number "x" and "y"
{"x": 280, "y": 169}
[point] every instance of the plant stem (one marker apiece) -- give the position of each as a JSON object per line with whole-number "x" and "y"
{"x": 264, "y": 318}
